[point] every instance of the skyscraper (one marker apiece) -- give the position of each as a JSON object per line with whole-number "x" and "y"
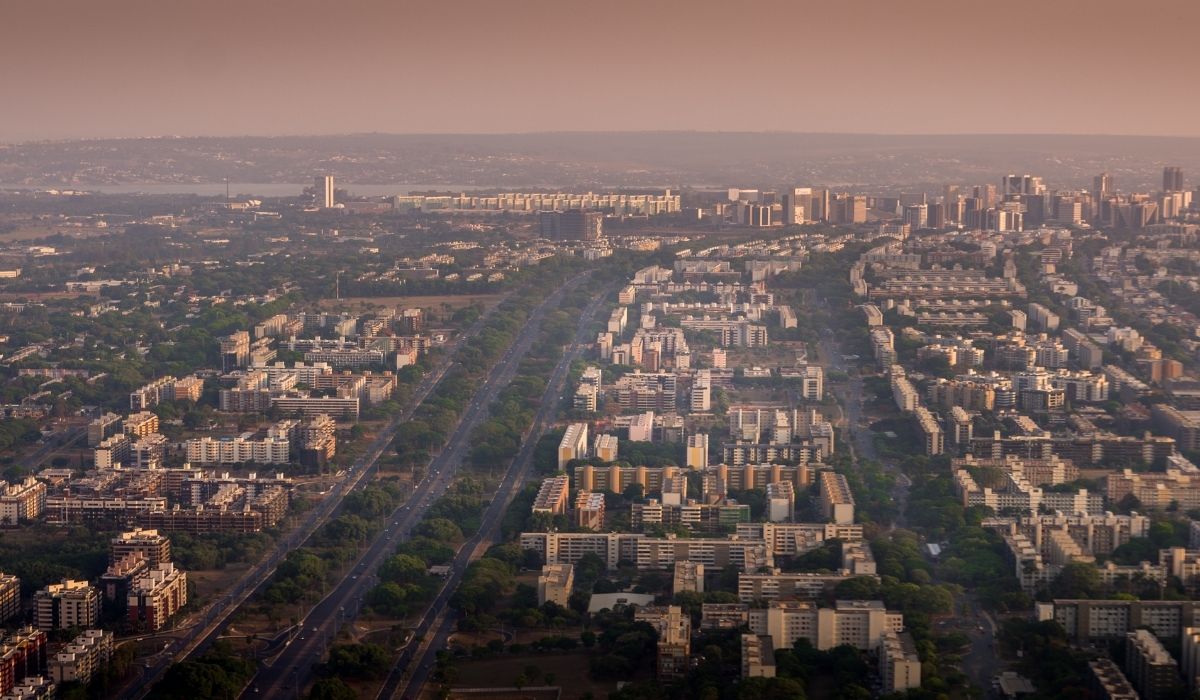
{"x": 1021, "y": 184}
{"x": 1172, "y": 179}
{"x": 1102, "y": 185}
{"x": 324, "y": 188}
{"x": 797, "y": 205}
{"x": 917, "y": 216}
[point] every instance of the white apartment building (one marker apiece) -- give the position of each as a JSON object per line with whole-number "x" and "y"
{"x": 861, "y": 624}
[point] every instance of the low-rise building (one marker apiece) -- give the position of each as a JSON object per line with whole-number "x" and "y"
{"x": 555, "y": 584}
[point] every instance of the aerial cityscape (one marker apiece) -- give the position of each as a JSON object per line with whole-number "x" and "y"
{"x": 714, "y": 400}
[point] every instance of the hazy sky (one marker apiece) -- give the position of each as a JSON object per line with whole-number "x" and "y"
{"x": 80, "y": 68}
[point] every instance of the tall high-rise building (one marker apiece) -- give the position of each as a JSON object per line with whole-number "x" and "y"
{"x": 937, "y": 215}
{"x": 986, "y": 194}
{"x": 571, "y": 225}
{"x": 1021, "y": 184}
{"x": 324, "y": 188}
{"x": 1172, "y": 179}
{"x": 1102, "y": 186}
{"x": 917, "y": 216}
{"x": 797, "y": 205}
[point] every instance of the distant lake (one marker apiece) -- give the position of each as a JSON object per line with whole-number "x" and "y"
{"x": 260, "y": 189}
{"x": 276, "y": 189}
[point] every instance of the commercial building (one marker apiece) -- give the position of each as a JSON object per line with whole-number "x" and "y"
{"x": 66, "y": 605}
{"x": 325, "y": 191}
{"x": 555, "y": 584}
{"x": 82, "y": 658}
{"x": 571, "y": 225}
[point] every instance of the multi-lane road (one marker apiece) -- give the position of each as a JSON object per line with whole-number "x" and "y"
{"x": 287, "y": 673}
{"x": 210, "y": 622}
{"x": 415, "y": 664}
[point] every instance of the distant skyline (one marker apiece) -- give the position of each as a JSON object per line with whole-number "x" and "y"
{"x": 129, "y": 68}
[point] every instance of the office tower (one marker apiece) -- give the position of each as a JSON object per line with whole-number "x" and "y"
{"x": 1102, "y": 186}
{"x": 937, "y": 215}
{"x": 1068, "y": 210}
{"x": 571, "y": 225}
{"x": 1172, "y": 179}
{"x": 986, "y": 194}
{"x": 820, "y": 206}
{"x": 951, "y": 198}
{"x": 797, "y": 205}
{"x": 1021, "y": 184}
{"x": 850, "y": 209}
{"x": 917, "y": 216}
{"x": 324, "y": 188}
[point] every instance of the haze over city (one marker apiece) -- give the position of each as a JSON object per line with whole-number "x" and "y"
{"x": 83, "y": 69}
{"x": 651, "y": 350}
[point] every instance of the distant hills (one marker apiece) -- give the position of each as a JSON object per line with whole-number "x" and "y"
{"x": 587, "y": 159}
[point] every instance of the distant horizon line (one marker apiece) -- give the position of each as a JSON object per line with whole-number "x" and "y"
{"x": 619, "y": 132}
